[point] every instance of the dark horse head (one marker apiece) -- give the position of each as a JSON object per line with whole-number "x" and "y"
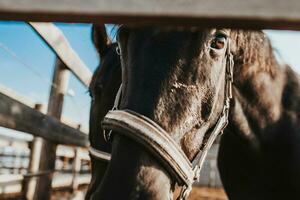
{"x": 176, "y": 78}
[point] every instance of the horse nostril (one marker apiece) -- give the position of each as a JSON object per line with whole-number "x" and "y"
{"x": 206, "y": 111}
{"x": 139, "y": 194}
{"x": 142, "y": 193}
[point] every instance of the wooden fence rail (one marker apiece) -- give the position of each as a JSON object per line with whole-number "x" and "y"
{"x": 276, "y": 14}
{"x": 17, "y": 116}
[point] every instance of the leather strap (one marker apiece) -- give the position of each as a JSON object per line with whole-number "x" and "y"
{"x": 99, "y": 155}
{"x": 155, "y": 139}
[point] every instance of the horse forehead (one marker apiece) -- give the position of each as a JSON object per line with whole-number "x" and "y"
{"x": 141, "y": 32}
{"x": 226, "y": 31}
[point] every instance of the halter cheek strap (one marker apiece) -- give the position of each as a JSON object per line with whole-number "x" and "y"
{"x": 98, "y": 154}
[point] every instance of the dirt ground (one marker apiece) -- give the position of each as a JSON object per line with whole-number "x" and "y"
{"x": 202, "y": 193}
{"x": 198, "y": 193}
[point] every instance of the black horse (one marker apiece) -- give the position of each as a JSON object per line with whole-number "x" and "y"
{"x": 175, "y": 77}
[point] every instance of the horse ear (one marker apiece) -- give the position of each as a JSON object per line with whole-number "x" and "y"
{"x": 101, "y": 40}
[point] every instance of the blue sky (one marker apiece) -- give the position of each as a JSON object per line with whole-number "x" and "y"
{"x": 30, "y": 74}
{"x": 26, "y": 63}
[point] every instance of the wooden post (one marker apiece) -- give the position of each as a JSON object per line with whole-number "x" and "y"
{"x": 76, "y": 167}
{"x": 48, "y": 150}
{"x": 29, "y": 183}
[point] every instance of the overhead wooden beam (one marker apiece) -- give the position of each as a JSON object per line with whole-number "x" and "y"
{"x": 276, "y": 14}
{"x": 56, "y": 40}
{"x": 17, "y": 116}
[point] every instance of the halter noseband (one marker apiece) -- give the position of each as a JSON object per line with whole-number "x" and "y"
{"x": 158, "y": 142}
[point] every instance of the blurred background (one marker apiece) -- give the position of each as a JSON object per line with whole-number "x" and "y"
{"x": 26, "y": 68}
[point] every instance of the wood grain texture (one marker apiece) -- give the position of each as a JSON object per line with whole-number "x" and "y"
{"x": 56, "y": 40}
{"x": 17, "y": 116}
{"x": 47, "y": 159}
{"x": 29, "y": 184}
{"x": 14, "y": 95}
{"x": 275, "y": 14}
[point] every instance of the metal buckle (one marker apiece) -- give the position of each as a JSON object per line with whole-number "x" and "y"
{"x": 185, "y": 191}
{"x": 118, "y": 50}
{"x": 197, "y": 171}
{"x": 107, "y": 135}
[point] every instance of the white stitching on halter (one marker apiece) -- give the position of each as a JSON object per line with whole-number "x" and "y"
{"x": 107, "y": 134}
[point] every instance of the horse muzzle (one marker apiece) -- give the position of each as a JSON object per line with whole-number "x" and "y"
{"x": 158, "y": 142}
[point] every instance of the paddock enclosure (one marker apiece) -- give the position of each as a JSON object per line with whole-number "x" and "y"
{"x": 55, "y": 138}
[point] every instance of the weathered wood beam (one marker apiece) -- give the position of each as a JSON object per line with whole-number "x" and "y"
{"x": 17, "y": 116}
{"x": 14, "y": 95}
{"x": 56, "y": 40}
{"x": 60, "y": 80}
{"x": 29, "y": 184}
{"x": 276, "y": 14}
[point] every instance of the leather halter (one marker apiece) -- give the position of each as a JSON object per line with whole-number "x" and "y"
{"x": 158, "y": 142}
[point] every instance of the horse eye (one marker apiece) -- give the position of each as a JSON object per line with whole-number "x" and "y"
{"x": 218, "y": 42}
{"x": 90, "y": 93}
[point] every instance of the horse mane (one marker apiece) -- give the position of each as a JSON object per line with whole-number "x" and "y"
{"x": 254, "y": 52}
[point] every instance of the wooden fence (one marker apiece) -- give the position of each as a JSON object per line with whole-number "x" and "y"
{"x": 72, "y": 167}
{"x": 20, "y": 114}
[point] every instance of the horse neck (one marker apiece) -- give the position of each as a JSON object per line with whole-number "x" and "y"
{"x": 258, "y": 100}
